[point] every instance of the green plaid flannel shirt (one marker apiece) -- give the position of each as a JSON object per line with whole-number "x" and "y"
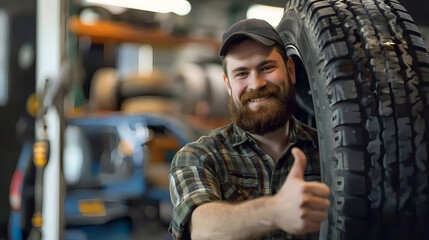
{"x": 228, "y": 165}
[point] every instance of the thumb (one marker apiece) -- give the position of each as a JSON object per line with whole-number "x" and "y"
{"x": 299, "y": 164}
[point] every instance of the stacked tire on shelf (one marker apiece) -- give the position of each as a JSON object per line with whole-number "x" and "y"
{"x": 368, "y": 72}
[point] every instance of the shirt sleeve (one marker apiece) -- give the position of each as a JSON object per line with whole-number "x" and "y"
{"x": 192, "y": 183}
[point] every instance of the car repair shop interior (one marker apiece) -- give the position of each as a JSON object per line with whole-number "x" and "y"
{"x": 62, "y": 62}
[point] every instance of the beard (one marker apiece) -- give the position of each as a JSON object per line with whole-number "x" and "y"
{"x": 268, "y": 117}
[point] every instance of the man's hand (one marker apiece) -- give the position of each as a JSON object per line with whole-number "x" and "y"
{"x": 299, "y": 207}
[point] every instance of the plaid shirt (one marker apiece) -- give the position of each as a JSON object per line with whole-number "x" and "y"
{"x": 228, "y": 165}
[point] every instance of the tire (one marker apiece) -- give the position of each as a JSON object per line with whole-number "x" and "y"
{"x": 368, "y": 72}
{"x": 103, "y": 95}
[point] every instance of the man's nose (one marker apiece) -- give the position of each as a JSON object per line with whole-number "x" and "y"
{"x": 256, "y": 81}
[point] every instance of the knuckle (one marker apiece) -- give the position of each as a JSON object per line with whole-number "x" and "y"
{"x": 327, "y": 191}
{"x": 304, "y": 214}
{"x": 324, "y": 215}
{"x": 305, "y": 200}
{"x": 328, "y": 203}
{"x": 303, "y": 188}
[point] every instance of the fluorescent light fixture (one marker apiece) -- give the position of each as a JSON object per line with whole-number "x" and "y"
{"x": 179, "y": 7}
{"x": 271, "y": 14}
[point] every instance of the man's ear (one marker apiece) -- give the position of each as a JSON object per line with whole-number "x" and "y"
{"x": 228, "y": 86}
{"x": 290, "y": 65}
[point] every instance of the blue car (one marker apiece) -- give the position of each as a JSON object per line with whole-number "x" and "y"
{"x": 116, "y": 171}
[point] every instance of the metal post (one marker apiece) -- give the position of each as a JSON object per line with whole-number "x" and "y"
{"x": 51, "y": 32}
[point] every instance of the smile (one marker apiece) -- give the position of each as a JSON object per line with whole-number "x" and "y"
{"x": 259, "y": 99}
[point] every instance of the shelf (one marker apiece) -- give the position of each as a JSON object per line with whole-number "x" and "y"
{"x": 113, "y": 32}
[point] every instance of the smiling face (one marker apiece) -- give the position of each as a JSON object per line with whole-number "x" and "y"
{"x": 261, "y": 87}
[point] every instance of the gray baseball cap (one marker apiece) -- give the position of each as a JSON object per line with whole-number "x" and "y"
{"x": 256, "y": 29}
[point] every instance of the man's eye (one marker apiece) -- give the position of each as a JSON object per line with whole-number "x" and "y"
{"x": 240, "y": 74}
{"x": 267, "y": 68}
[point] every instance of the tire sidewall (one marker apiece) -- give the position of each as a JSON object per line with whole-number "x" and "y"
{"x": 296, "y": 34}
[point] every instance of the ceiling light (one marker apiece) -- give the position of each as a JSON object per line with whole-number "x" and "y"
{"x": 271, "y": 14}
{"x": 179, "y": 7}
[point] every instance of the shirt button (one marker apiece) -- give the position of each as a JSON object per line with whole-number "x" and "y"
{"x": 273, "y": 191}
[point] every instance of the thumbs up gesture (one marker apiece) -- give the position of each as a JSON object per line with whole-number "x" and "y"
{"x": 299, "y": 207}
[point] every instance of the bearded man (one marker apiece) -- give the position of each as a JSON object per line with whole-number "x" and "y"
{"x": 251, "y": 179}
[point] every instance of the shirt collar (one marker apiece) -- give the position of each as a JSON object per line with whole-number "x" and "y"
{"x": 297, "y": 133}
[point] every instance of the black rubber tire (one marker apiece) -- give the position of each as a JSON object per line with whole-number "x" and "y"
{"x": 368, "y": 73}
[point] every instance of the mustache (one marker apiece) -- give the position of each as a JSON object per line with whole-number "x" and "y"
{"x": 266, "y": 91}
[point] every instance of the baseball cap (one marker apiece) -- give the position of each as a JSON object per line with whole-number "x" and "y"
{"x": 257, "y": 29}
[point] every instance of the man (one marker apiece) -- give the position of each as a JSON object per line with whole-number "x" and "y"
{"x": 246, "y": 180}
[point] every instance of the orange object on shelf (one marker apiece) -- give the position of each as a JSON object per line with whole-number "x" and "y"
{"x": 107, "y": 31}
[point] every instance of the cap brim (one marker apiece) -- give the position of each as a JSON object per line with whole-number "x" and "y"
{"x": 262, "y": 40}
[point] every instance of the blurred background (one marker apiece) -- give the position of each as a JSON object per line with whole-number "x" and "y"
{"x": 107, "y": 91}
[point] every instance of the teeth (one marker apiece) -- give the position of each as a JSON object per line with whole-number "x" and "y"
{"x": 258, "y": 99}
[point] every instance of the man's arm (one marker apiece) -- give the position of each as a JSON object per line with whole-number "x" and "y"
{"x": 299, "y": 207}
{"x": 221, "y": 220}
